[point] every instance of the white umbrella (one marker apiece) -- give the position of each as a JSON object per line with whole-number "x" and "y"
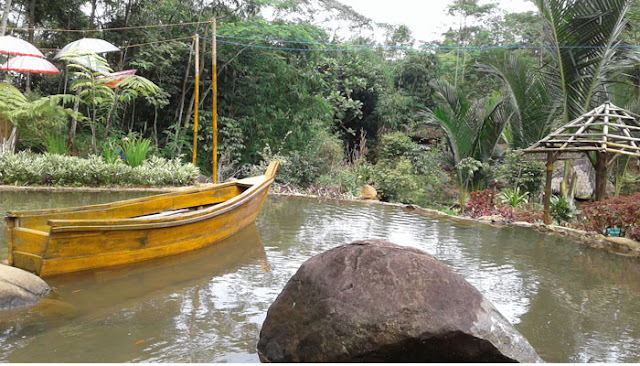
{"x": 82, "y": 53}
{"x": 87, "y": 46}
{"x": 15, "y": 46}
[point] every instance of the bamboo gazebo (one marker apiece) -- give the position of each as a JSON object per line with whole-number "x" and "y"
{"x": 604, "y": 130}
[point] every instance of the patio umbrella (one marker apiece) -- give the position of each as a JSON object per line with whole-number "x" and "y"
{"x": 29, "y": 64}
{"x": 83, "y": 53}
{"x": 10, "y": 45}
{"x": 87, "y": 46}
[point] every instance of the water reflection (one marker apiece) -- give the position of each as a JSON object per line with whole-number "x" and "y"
{"x": 161, "y": 310}
{"x": 574, "y": 304}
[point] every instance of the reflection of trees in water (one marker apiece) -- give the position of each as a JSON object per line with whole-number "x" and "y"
{"x": 587, "y": 298}
{"x": 150, "y": 311}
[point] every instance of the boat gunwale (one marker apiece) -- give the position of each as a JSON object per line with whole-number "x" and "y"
{"x": 58, "y": 226}
{"x": 121, "y": 203}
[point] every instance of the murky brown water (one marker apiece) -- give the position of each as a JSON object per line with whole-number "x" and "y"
{"x": 574, "y": 304}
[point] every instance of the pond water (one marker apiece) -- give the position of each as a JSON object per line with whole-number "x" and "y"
{"x": 574, "y": 304}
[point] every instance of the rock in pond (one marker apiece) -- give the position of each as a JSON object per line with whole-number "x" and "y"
{"x": 374, "y": 301}
{"x": 19, "y": 288}
{"x": 368, "y": 193}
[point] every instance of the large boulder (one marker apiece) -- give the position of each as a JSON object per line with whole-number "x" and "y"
{"x": 19, "y": 288}
{"x": 376, "y": 301}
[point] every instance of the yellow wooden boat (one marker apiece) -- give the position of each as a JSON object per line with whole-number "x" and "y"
{"x": 56, "y": 241}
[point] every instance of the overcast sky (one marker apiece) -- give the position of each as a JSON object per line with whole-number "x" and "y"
{"x": 427, "y": 19}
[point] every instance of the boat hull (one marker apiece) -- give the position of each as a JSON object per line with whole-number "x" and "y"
{"x": 73, "y": 245}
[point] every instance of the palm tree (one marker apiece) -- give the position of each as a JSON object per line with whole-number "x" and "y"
{"x": 583, "y": 38}
{"x": 472, "y": 128}
{"x": 583, "y": 53}
{"x": 532, "y": 108}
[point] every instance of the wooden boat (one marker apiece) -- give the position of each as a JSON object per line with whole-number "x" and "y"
{"x": 56, "y": 241}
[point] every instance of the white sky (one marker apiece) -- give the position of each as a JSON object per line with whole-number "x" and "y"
{"x": 427, "y": 19}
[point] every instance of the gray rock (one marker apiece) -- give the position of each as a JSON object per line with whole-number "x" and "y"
{"x": 19, "y": 288}
{"x": 376, "y": 301}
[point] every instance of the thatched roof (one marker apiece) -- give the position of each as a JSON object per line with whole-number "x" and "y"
{"x": 606, "y": 128}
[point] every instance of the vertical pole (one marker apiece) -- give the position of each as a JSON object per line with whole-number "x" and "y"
{"x": 547, "y": 188}
{"x": 601, "y": 175}
{"x": 195, "y": 115}
{"x": 214, "y": 88}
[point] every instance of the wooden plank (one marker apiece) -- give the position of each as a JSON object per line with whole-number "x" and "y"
{"x": 27, "y": 261}
{"x": 29, "y": 241}
{"x": 161, "y": 214}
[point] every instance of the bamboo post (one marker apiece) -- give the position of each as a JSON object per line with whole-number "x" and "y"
{"x": 547, "y": 188}
{"x": 197, "y": 92}
{"x": 214, "y": 88}
{"x": 601, "y": 175}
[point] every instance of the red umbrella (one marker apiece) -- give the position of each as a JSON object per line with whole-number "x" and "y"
{"x": 30, "y": 64}
{"x": 15, "y": 46}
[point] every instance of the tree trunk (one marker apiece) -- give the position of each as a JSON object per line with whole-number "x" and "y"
{"x": 5, "y": 17}
{"x": 183, "y": 96}
{"x": 92, "y": 16}
{"x": 547, "y": 188}
{"x": 32, "y": 22}
{"x": 601, "y": 175}
{"x": 74, "y": 121}
{"x": 155, "y": 124}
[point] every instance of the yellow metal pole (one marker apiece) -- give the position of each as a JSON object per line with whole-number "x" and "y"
{"x": 214, "y": 74}
{"x": 195, "y": 115}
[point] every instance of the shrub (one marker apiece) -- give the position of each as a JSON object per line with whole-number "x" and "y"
{"x": 484, "y": 203}
{"x": 562, "y": 209}
{"x": 394, "y": 145}
{"x": 56, "y": 144}
{"x": 395, "y": 181}
{"x": 513, "y": 197}
{"x": 52, "y": 169}
{"x": 135, "y": 150}
{"x": 352, "y": 178}
{"x": 622, "y": 212}
{"x": 528, "y": 176}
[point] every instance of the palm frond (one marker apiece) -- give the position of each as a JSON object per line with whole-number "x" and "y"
{"x": 584, "y": 35}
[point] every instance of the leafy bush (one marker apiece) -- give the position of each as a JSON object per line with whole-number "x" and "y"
{"x": 513, "y": 197}
{"x": 394, "y": 145}
{"x": 56, "y": 144}
{"x": 483, "y": 203}
{"x": 528, "y": 176}
{"x": 622, "y": 212}
{"x": 562, "y": 209}
{"x": 395, "y": 181}
{"x": 352, "y": 178}
{"x": 111, "y": 152}
{"x": 135, "y": 150}
{"x": 409, "y": 173}
{"x": 52, "y": 169}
